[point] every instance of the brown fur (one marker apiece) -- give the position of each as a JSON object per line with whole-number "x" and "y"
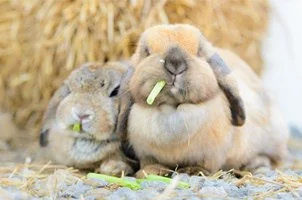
{"x": 86, "y": 92}
{"x": 191, "y": 42}
{"x": 190, "y": 121}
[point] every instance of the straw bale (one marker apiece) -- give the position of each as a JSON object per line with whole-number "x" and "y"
{"x": 42, "y": 41}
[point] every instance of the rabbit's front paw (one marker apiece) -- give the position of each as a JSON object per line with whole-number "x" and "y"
{"x": 258, "y": 165}
{"x": 115, "y": 168}
{"x": 155, "y": 169}
{"x": 194, "y": 170}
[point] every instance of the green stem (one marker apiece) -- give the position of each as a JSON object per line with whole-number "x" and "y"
{"x": 180, "y": 184}
{"x": 115, "y": 180}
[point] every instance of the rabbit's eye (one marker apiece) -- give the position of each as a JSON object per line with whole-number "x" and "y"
{"x": 115, "y": 91}
{"x": 102, "y": 83}
{"x": 146, "y": 52}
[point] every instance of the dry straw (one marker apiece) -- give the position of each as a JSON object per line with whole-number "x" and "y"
{"x": 49, "y": 180}
{"x": 42, "y": 41}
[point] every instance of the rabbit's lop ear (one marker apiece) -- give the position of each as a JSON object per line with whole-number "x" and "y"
{"x": 50, "y": 113}
{"x": 126, "y": 102}
{"x": 44, "y": 137}
{"x": 226, "y": 81}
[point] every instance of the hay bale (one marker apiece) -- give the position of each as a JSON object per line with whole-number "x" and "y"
{"x": 42, "y": 41}
{"x": 8, "y": 133}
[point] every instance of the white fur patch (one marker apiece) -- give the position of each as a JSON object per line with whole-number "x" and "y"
{"x": 166, "y": 124}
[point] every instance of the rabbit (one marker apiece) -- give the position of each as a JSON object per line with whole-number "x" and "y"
{"x": 89, "y": 96}
{"x": 212, "y": 113}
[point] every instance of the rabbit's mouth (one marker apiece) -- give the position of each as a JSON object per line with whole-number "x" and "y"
{"x": 177, "y": 85}
{"x": 92, "y": 145}
{"x": 85, "y": 131}
{"x": 85, "y": 150}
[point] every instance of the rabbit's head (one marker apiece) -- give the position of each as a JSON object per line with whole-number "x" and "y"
{"x": 187, "y": 62}
{"x": 88, "y": 99}
{"x": 91, "y": 100}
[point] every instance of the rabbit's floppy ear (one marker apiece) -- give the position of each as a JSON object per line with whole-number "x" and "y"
{"x": 226, "y": 81}
{"x": 126, "y": 102}
{"x": 44, "y": 137}
{"x": 50, "y": 113}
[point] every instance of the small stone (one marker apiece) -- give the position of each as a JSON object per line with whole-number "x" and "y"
{"x": 158, "y": 185}
{"x": 183, "y": 194}
{"x": 75, "y": 190}
{"x": 123, "y": 193}
{"x": 213, "y": 192}
{"x": 99, "y": 182}
{"x": 147, "y": 194}
{"x": 284, "y": 195}
{"x": 98, "y": 193}
{"x": 196, "y": 182}
{"x": 182, "y": 177}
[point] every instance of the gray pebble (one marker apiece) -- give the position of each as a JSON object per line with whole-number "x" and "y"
{"x": 99, "y": 182}
{"x": 148, "y": 193}
{"x": 123, "y": 193}
{"x": 182, "y": 177}
{"x": 196, "y": 182}
{"x": 213, "y": 192}
{"x": 284, "y": 195}
{"x": 75, "y": 190}
{"x": 157, "y": 185}
{"x": 186, "y": 197}
{"x": 234, "y": 191}
{"x": 299, "y": 191}
{"x": 97, "y": 193}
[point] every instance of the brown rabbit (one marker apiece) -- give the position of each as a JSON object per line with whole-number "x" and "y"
{"x": 207, "y": 115}
{"x": 89, "y": 96}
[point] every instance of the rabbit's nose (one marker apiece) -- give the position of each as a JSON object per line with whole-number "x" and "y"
{"x": 175, "y": 62}
{"x": 81, "y": 116}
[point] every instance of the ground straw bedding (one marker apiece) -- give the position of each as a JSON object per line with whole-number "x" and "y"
{"x": 27, "y": 181}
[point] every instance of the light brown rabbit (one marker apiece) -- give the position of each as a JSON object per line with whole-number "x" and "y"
{"x": 207, "y": 115}
{"x": 89, "y": 96}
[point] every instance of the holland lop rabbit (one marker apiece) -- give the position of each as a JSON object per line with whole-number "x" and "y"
{"x": 89, "y": 97}
{"x": 212, "y": 112}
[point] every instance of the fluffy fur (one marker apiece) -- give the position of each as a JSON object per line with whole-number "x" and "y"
{"x": 88, "y": 96}
{"x": 199, "y": 119}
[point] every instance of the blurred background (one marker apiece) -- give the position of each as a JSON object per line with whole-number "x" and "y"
{"x": 282, "y": 56}
{"x": 42, "y": 41}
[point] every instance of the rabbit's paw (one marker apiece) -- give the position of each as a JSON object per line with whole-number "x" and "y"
{"x": 115, "y": 168}
{"x": 155, "y": 169}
